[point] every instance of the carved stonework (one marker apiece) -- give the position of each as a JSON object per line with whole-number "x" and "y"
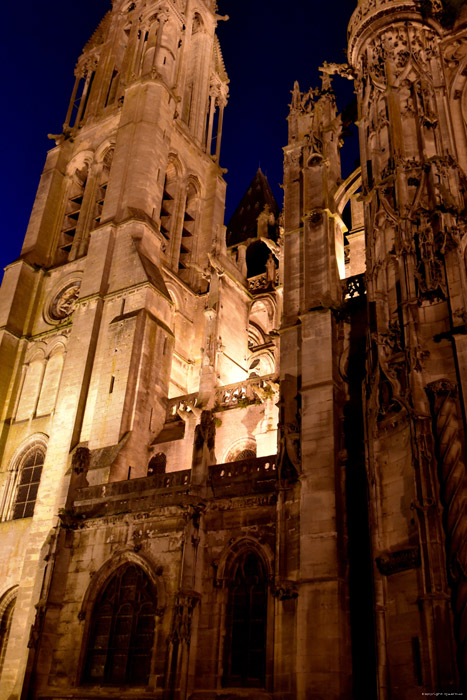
{"x": 429, "y": 273}
{"x": 80, "y": 460}
{"x": 401, "y": 560}
{"x": 453, "y": 480}
{"x": 285, "y": 590}
{"x": 64, "y": 302}
{"x": 185, "y": 604}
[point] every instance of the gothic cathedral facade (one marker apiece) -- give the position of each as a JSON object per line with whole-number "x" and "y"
{"x": 233, "y": 458}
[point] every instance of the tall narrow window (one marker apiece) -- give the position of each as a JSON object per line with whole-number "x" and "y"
{"x": 73, "y": 212}
{"x": 86, "y": 95}
{"x": 122, "y": 630}
{"x": 189, "y": 222}
{"x": 245, "y": 661}
{"x": 30, "y": 472}
{"x": 112, "y": 91}
{"x": 102, "y": 185}
{"x": 168, "y": 202}
{"x": 7, "y": 606}
{"x": 194, "y": 70}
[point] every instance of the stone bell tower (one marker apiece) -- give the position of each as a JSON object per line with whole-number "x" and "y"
{"x": 406, "y": 60}
{"x": 129, "y": 206}
{"x": 312, "y": 396}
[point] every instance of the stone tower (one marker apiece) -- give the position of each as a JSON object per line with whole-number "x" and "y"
{"x": 101, "y": 316}
{"x": 408, "y": 59}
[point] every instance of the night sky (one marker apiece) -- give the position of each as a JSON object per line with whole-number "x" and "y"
{"x": 267, "y": 44}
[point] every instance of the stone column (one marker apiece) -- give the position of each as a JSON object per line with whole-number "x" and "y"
{"x": 410, "y": 180}
{"x": 453, "y": 481}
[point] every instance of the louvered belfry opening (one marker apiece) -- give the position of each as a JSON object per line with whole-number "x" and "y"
{"x": 122, "y": 630}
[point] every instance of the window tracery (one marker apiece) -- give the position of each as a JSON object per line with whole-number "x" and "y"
{"x": 29, "y": 479}
{"x": 21, "y": 487}
{"x": 121, "y": 637}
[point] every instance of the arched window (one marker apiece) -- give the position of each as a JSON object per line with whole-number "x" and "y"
{"x": 245, "y": 454}
{"x": 189, "y": 224}
{"x": 103, "y": 181}
{"x": 168, "y": 201}
{"x": 72, "y": 213}
{"x": 245, "y": 652}
{"x": 242, "y": 449}
{"x": 30, "y": 471}
{"x": 157, "y": 464}
{"x": 7, "y": 606}
{"x": 20, "y": 489}
{"x": 122, "y": 630}
{"x": 257, "y": 255}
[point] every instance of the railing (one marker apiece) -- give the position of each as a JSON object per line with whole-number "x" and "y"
{"x": 354, "y": 287}
{"x": 262, "y": 282}
{"x": 114, "y": 490}
{"x": 181, "y": 403}
{"x": 228, "y": 396}
{"x": 254, "y": 389}
{"x": 246, "y": 476}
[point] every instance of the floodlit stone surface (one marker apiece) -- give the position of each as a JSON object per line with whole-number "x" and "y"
{"x": 232, "y": 459}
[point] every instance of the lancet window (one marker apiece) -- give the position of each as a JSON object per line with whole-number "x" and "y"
{"x": 7, "y": 607}
{"x": 73, "y": 212}
{"x": 194, "y": 71}
{"x": 112, "y": 91}
{"x": 189, "y": 223}
{"x": 169, "y": 202}
{"x": 122, "y": 629}
{"x": 20, "y": 491}
{"x": 29, "y": 479}
{"x": 102, "y": 184}
{"x": 245, "y": 657}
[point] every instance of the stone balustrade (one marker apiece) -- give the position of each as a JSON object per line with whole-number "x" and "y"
{"x": 113, "y": 494}
{"x": 247, "y": 476}
{"x": 227, "y": 396}
{"x": 260, "y": 283}
{"x": 253, "y": 389}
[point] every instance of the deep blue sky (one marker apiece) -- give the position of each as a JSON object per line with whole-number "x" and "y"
{"x": 267, "y": 44}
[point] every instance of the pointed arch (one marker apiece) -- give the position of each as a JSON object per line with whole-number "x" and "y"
{"x": 78, "y": 172}
{"x": 243, "y": 448}
{"x": 120, "y": 610}
{"x": 32, "y": 376}
{"x": 190, "y": 223}
{"x": 104, "y": 164}
{"x": 101, "y": 577}
{"x": 235, "y": 549}
{"x": 170, "y": 205}
{"x": 245, "y": 569}
{"x": 52, "y": 376}
{"x": 7, "y": 607}
{"x": 25, "y": 470}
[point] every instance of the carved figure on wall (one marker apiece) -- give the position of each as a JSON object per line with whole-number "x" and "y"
{"x": 64, "y": 302}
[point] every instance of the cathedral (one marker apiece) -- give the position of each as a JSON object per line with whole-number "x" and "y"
{"x": 232, "y": 457}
